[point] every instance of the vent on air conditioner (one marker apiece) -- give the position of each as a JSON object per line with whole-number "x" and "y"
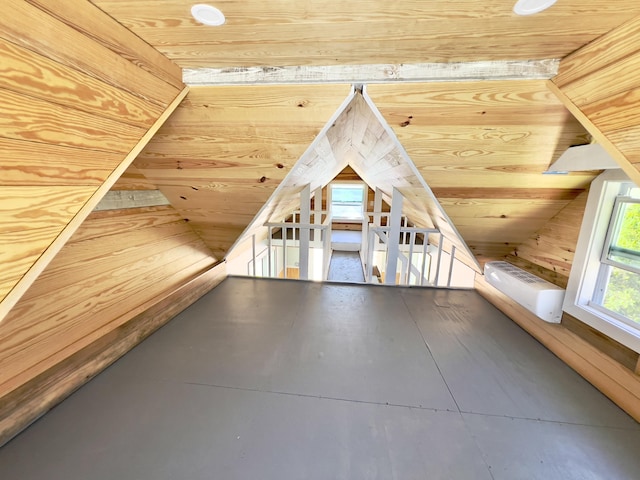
{"x": 542, "y": 298}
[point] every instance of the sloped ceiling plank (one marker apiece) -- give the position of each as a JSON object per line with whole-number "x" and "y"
{"x": 32, "y": 74}
{"x": 334, "y": 32}
{"x": 30, "y": 217}
{"x": 74, "y": 115}
{"x": 599, "y": 83}
{"x": 226, "y": 149}
{"x": 483, "y": 141}
{"x": 114, "y": 36}
{"x": 321, "y": 162}
{"x": 81, "y": 52}
{"x": 54, "y": 164}
{"x": 23, "y": 117}
{"x": 133, "y": 179}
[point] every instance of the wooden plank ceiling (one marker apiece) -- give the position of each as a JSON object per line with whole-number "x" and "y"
{"x": 73, "y": 109}
{"x": 224, "y": 151}
{"x": 600, "y": 84}
{"x": 338, "y": 32}
{"x": 482, "y": 146}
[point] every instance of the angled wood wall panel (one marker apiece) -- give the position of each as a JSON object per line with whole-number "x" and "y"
{"x": 483, "y": 145}
{"x": 114, "y": 268}
{"x": 600, "y": 84}
{"x": 73, "y": 108}
{"x": 549, "y": 252}
{"x": 225, "y": 150}
{"x": 115, "y": 262}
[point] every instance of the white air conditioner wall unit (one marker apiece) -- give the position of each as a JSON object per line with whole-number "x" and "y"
{"x": 540, "y": 297}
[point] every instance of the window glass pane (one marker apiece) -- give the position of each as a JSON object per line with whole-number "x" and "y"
{"x": 351, "y": 212}
{"x": 346, "y": 194}
{"x": 625, "y": 243}
{"x": 347, "y": 202}
{"x": 622, "y": 294}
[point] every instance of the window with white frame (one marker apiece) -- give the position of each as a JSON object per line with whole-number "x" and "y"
{"x": 347, "y": 201}
{"x": 604, "y": 285}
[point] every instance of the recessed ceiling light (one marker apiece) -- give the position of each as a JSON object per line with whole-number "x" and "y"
{"x": 207, "y": 15}
{"x": 529, "y": 7}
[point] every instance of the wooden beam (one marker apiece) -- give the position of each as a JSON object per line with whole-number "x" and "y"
{"x": 39, "y": 265}
{"x": 33, "y": 399}
{"x": 377, "y": 73}
{"x": 119, "y": 199}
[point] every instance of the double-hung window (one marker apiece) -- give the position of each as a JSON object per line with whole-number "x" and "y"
{"x": 617, "y": 291}
{"x": 604, "y": 284}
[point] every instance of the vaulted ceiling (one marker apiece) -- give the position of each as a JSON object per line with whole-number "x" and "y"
{"x": 338, "y": 32}
{"x": 482, "y": 141}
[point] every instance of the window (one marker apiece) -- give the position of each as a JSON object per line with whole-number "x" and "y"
{"x": 347, "y": 201}
{"x": 618, "y": 285}
{"x": 604, "y": 285}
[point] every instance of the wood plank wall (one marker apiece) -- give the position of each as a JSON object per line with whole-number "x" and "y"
{"x": 549, "y": 252}
{"x": 482, "y": 148}
{"x": 78, "y": 94}
{"x": 115, "y": 267}
{"x": 226, "y": 149}
{"x": 600, "y": 85}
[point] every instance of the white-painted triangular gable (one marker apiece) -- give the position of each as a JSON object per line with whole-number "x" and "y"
{"x": 359, "y": 137}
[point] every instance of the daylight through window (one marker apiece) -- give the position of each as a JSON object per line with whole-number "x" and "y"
{"x": 347, "y": 201}
{"x": 618, "y": 285}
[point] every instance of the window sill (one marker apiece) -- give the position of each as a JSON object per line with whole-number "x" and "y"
{"x": 617, "y": 330}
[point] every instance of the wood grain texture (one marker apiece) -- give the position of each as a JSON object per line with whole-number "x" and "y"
{"x": 553, "y": 246}
{"x": 118, "y": 261}
{"x": 613, "y": 349}
{"x": 600, "y": 85}
{"x": 482, "y": 148}
{"x": 30, "y": 219}
{"x": 133, "y": 179}
{"x": 82, "y": 52}
{"x": 92, "y": 22}
{"x": 36, "y": 396}
{"x": 73, "y": 114}
{"x": 40, "y": 121}
{"x": 291, "y": 32}
{"x": 31, "y": 74}
{"x": 82, "y": 211}
{"x": 24, "y": 163}
{"x": 225, "y": 150}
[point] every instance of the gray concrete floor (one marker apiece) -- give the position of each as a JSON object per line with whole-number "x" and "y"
{"x": 272, "y": 379}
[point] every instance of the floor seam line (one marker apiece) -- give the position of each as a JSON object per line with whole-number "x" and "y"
{"x": 323, "y": 397}
{"x": 542, "y": 420}
{"x": 424, "y": 341}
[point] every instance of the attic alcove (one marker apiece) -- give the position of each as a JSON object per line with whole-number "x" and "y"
{"x": 358, "y": 137}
